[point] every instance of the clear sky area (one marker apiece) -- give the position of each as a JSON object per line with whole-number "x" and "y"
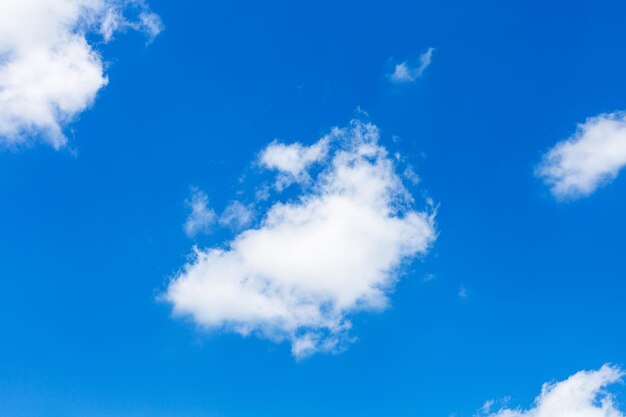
{"x": 312, "y": 209}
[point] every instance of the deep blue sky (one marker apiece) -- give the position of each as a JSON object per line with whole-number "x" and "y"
{"x": 89, "y": 238}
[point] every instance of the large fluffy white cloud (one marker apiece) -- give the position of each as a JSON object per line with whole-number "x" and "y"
{"x": 593, "y": 156}
{"x": 49, "y": 71}
{"x": 335, "y": 249}
{"x": 581, "y": 395}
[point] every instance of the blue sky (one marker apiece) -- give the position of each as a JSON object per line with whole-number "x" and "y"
{"x": 515, "y": 285}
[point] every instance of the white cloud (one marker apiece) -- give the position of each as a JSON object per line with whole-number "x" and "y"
{"x": 486, "y": 408}
{"x": 336, "y": 249}
{"x": 590, "y": 158}
{"x": 201, "y": 217}
{"x": 581, "y": 395}
{"x": 405, "y": 72}
{"x": 292, "y": 161}
{"x": 49, "y": 72}
{"x": 236, "y": 215}
{"x": 410, "y": 175}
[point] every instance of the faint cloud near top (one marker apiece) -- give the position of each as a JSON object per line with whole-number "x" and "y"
{"x": 408, "y": 72}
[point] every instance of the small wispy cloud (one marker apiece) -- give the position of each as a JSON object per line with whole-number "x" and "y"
{"x": 410, "y": 175}
{"x": 486, "y": 408}
{"x": 462, "y": 292}
{"x": 407, "y": 72}
{"x": 429, "y": 277}
{"x": 593, "y": 156}
{"x": 292, "y": 161}
{"x": 236, "y": 215}
{"x": 202, "y": 216}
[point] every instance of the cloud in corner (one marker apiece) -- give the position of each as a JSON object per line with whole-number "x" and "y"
{"x": 581, "y": 395}
{"x": 49, "y": 70}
